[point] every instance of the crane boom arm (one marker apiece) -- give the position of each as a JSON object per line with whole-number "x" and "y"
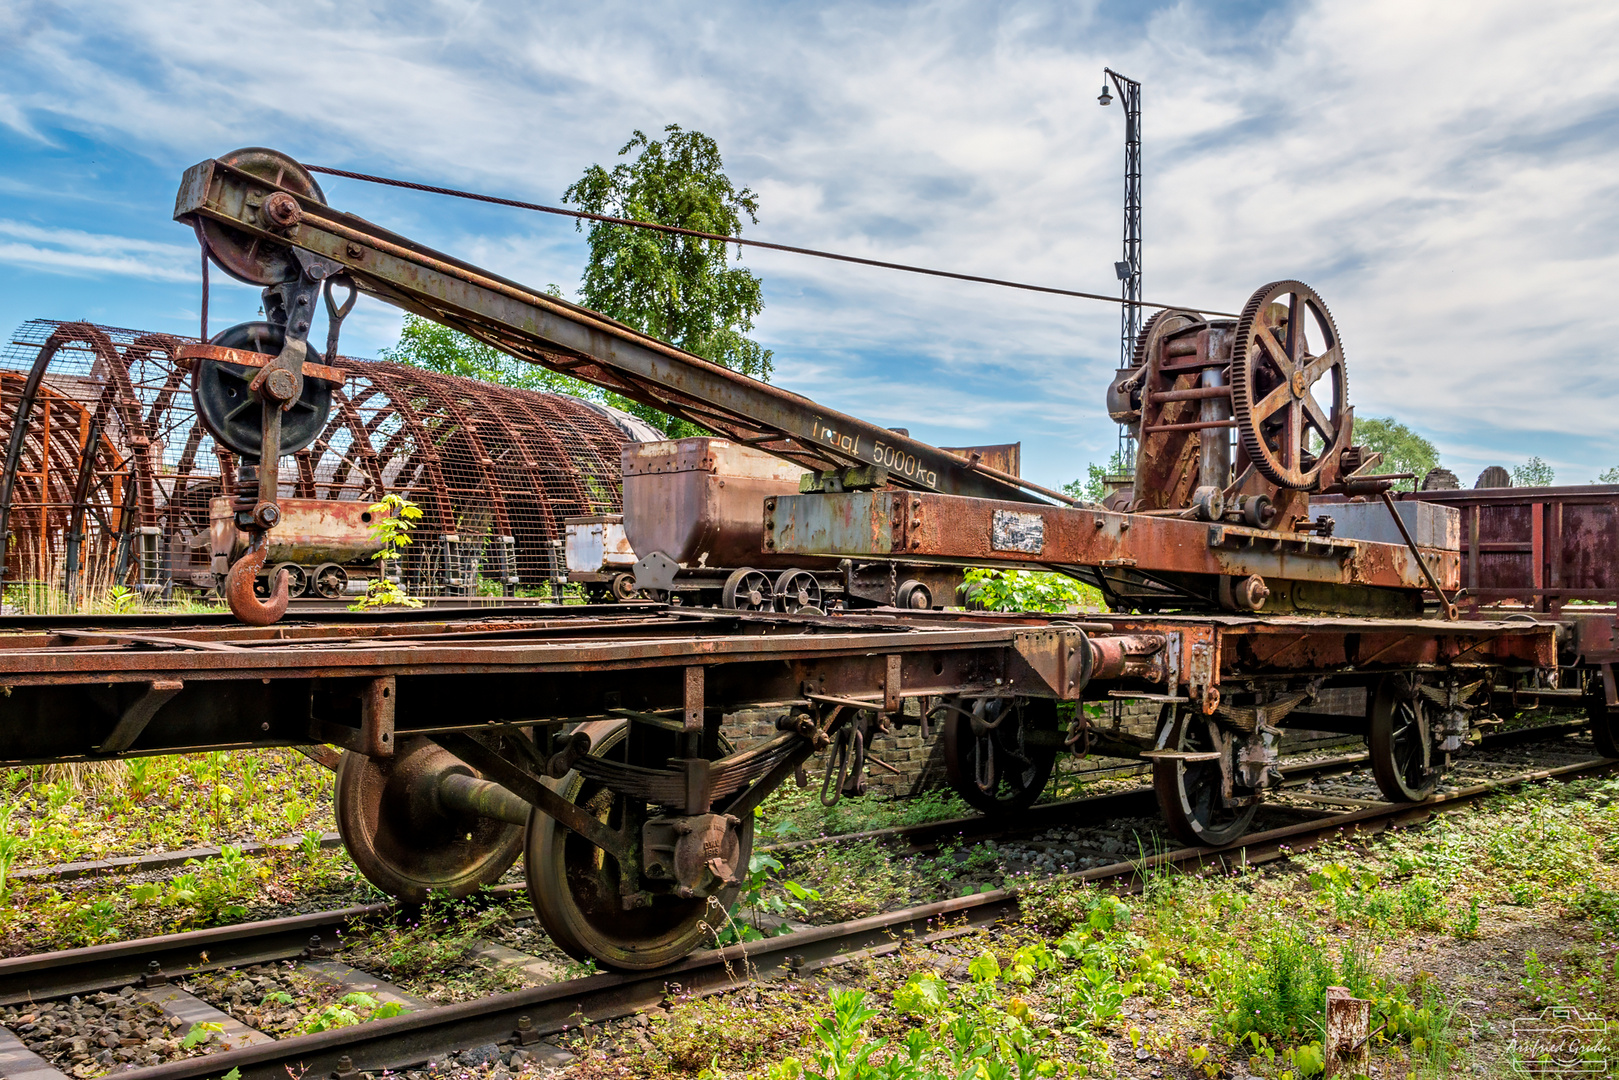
{"x": 576, "y": 341}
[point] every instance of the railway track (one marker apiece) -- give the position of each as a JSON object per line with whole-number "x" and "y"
{"x": 152, "y": 970}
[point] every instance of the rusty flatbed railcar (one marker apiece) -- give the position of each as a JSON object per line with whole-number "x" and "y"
{"x": 591, "y": 741}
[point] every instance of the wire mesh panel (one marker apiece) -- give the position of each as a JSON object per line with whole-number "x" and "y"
{"x": 109, "y": 476}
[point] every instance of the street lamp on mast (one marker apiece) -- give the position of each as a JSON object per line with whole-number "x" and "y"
{"x": 1129, "y": 268}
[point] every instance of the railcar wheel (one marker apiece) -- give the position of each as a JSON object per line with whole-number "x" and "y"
{"x": 1401, "y": 743}
{"x": 574, "y": 885}
{"x": 296, "y": 580}
{"x": 621, "y": 588}
{"x": 1190, "y": 793}
{"x": 403, "y": 839}
{"x": 798, "y": 590}
{"x": 991, "y": 755}
{"x": 330, "y": 581}
{"x": 1604, "y": 721}
{"x": 747, "y": 589}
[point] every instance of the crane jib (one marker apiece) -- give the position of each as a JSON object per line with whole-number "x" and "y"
{"x": 567, "y": 338}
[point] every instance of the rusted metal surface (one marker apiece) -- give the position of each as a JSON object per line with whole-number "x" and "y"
{"x": 701, "y": 502}
{"x": 310, "y": 531}
{"x": 113, "y": 475}
{"x": 298, "y": 684}
{"x": 1002, "y": 457}
{"x": 919, "y": 525}
{"x": 1536, "y": 547}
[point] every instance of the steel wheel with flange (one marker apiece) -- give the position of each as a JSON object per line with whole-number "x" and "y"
{"x": 403, "y": 839}
{"x": 798, "y": 590}
{"x": 574, "y": 885}
{"x": 747, "y": 589}
{"x": 1191, "y": 792}
{"x": 1604, "y": 721}
{"x": 1401, "y": 742}
{"x": 992, "y": 752}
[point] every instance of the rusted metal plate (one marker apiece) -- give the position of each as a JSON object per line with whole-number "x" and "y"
{"x": 1003, "y": 457}
{"x": 310, "y": 531}
{"x": 1538, "y": 547}
{"x": 920, "y": 525}
{"x": 701, "y": 503}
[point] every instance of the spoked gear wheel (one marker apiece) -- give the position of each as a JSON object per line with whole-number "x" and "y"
{"x": 403, "y": 839}
{"x": 798, "y": 590}
{"x": 992, "y": 755}
{"x": 1401, "y": 742}
{"x": 1191, "y": 793}
{"x": 574, "y": 885}
{"x": 1285, "y": 430}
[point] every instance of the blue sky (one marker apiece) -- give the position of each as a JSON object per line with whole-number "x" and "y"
{"x": 1444, "y": 174}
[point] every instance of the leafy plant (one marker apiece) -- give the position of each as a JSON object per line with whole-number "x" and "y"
{"x": 200, "y": 1033}
{"x": 677, "y": 288}
{"x": 391, "y": 522}
{"x": 123, "y": 600}
{"x": 759, "y": 897}
{"x": 1027, "y": 590}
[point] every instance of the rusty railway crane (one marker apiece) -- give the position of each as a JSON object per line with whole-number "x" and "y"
{"x": 595, "y": 747}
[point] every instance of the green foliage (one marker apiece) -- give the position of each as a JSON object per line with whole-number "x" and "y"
{"x": 200, "y": 1033}
{"x": 1280, "y": 993}
{"x": 1535, "y": 472}
{"x": 433, "y": 346}
{"x": 11, "y": 846}
{"x": 122, "y": 599}
{"x": 763, "y": 895}
{"x": 1403, "y": 450}
{"x": 1094, "y": 487}
{"x": 347, "y": 1011}
{"x": 392, "y": 520}
{"x": 1609, "y": 476}
{"x": 1028, "y": 590}
{"x": 677, "y": 288}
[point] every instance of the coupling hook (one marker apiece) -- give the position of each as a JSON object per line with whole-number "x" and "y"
{"x": 239, "y": 587}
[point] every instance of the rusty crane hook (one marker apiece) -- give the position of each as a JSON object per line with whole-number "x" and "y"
{"x": 244, "y": 603}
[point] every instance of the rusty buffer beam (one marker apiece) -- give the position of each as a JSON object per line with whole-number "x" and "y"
{"x": 108, "y": 472}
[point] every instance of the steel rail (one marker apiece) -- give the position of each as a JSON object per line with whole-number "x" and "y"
{"x": 406, "y": 1040}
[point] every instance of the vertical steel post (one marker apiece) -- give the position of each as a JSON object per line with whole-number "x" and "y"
{"x": 1129, "y": 269}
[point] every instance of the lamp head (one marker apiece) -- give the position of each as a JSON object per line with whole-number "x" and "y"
{"x": 1106, "y": 96}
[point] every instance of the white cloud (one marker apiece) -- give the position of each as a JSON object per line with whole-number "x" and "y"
{"x": 1442, "y": 173}
{"x": 73, "y": 251}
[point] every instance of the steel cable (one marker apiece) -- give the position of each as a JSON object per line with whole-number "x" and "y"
{"x": 698, "y": 234}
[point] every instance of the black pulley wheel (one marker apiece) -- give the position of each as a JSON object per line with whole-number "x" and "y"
{"x": 1400, "y": 742}
{"x": 1191, "y": 793}
{"x": 993, "y": 754}
{"x": 234, "y": 415}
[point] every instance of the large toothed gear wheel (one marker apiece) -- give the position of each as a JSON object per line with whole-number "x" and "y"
{"x": 1278, "y": 383}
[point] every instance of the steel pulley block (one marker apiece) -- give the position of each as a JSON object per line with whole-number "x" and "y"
{"x": 252, "y": 259}
{"x": 234, "y": 414}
